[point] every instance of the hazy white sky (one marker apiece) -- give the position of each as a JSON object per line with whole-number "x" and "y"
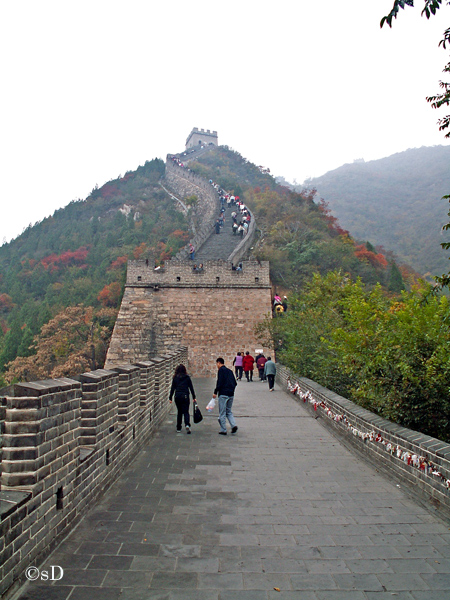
{"x": 93, "y": 88}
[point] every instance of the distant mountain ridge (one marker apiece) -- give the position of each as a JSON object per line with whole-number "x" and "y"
{"x": 396, "y": 202}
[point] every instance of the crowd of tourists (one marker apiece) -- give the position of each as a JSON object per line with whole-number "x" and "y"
{"x": 240, "y": 215}
{"x": 224, "y": 390}
{"x": 244, "y": 364}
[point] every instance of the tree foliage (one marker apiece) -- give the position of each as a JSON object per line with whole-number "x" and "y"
{"x": 437, "y": 101}
{"x": 393, "y": 202}
{"x": 430, "y": 8}
{"x": 75, "y": 340}
{"x": 79, "y": 254}
{"x": 297, "y": 232}
{"x": 388, "y": 354}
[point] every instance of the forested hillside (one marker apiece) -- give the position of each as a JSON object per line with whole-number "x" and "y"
{"x": 297, "y": 233}
{"x": 349, "y": 326}
{"x": 78, "y": 257}
{"x": 396, "y": 202}
{"x": 62, "y": 280}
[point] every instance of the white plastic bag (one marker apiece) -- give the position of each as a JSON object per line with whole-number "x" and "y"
{"x": 211, "y": 404}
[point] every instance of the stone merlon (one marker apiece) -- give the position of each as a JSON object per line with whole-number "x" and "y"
{"x": 215, "y": 274}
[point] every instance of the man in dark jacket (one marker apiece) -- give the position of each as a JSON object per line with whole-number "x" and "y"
{"x": 225, "y": 386}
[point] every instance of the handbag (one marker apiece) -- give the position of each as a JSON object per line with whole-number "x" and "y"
{"x": 197, "y": 416}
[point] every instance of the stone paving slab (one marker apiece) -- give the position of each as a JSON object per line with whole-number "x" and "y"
{"x": 220, "y": 246}
{"x": 279, "y": 511}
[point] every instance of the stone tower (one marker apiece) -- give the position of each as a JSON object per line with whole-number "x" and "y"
{"x": 200, "y": 137}
{"x": 213, "y": 312}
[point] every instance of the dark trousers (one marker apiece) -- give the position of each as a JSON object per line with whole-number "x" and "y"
{"x": 238, "y": 372}
{"x": 261, "y": 374}
{"x": 271, "y": 380}
{"x": 249, "y": 375}
{"x": 182, "y": 404}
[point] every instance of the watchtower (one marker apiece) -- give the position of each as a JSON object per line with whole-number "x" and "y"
{"x": 200, "y": 137}
{"x": 213, "y": 311}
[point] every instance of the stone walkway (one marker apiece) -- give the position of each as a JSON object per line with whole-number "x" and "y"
{"x": 279, "y": 511}
{"x": 219, "y": 246}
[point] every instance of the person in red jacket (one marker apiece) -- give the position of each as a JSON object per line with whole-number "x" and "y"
{"x": 248, "y": 363}
{"x": 260, "y": 362}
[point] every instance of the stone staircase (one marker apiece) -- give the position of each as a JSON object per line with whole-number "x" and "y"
{"x": 219, "y": 246}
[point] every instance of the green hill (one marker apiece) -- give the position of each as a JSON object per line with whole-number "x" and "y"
{"x": 63, "y": 278}
{"x": 79, "y": 256}
{"x": 396, "y": 202}
{"x": 297, "y": 234}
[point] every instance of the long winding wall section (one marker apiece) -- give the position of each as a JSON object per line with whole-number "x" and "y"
{"x": 64, "y": 442}
{"x": 185, "y": 183}
{"x": 182, "y": 182}
{"x": 213, "y": 312}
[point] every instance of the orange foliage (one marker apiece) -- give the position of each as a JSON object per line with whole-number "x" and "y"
{"x": 179, "y": 234}
{"x": 69, "y": 257}
{"x": 6, "y": 303}
{"x": 164, "y": 250}
{"x": 108, "y": 191}
{"x": 333, "y": 223}
{"x": 110, "y": 294}
{"x": 139, "y": 250}
{"x": 376, "y": 260}
{"x": 119, "y": 262}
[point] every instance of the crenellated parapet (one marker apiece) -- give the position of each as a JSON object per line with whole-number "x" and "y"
{"x": 214, "y": 274}
{"x": 65, "y": 441}
{"x": 212, "y": 311}
{"x": 200, "y": 137}
{"x": 184, "y": 183}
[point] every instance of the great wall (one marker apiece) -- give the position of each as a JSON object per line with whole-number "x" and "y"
{"x": 64, "y": 442}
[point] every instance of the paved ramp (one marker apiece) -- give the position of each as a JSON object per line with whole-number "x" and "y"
{"x": 220, "y": 246}
{"x": 279, "y": 511}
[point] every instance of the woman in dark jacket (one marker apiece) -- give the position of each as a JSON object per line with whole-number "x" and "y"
{"x": 181, "y": 386}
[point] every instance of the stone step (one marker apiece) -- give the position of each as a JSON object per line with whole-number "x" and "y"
{"x": 219, "y": 246}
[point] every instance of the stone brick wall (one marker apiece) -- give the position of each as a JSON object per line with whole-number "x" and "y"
{"x": 200, "y": 135}
{"x": 415, "y": 459}
{"x": 217, "y": 273}
{"x": 185, "y": 183}
{"x": 64, "y": 442}
{"x": 213, "y": 313}
{"x": 247, "y": 242}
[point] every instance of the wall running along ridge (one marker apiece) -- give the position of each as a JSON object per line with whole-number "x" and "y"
{"x": 420, "y": 461}
{"x": 64, "y": 442}
{"x": 185, "y": 183}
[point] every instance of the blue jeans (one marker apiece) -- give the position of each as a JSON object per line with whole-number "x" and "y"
{"x": 225, "y": 404}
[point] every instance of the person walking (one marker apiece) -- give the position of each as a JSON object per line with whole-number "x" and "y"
{"x": 260, "y": 362}
{"x": 270, "y": 370}
{"x": 181, "y": 386}
{"x": 247, "y": 363}
{"x": 225, "y": 386}
{"x": 191, "y": 252}
{"x": 238, "y": 365}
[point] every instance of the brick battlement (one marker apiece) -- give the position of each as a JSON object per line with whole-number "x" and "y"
{"x": 215, "y": 274}
{"x": 63, "y": 443}
{"x": 198, "y": 136}
{"x": 213, "y": 313}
